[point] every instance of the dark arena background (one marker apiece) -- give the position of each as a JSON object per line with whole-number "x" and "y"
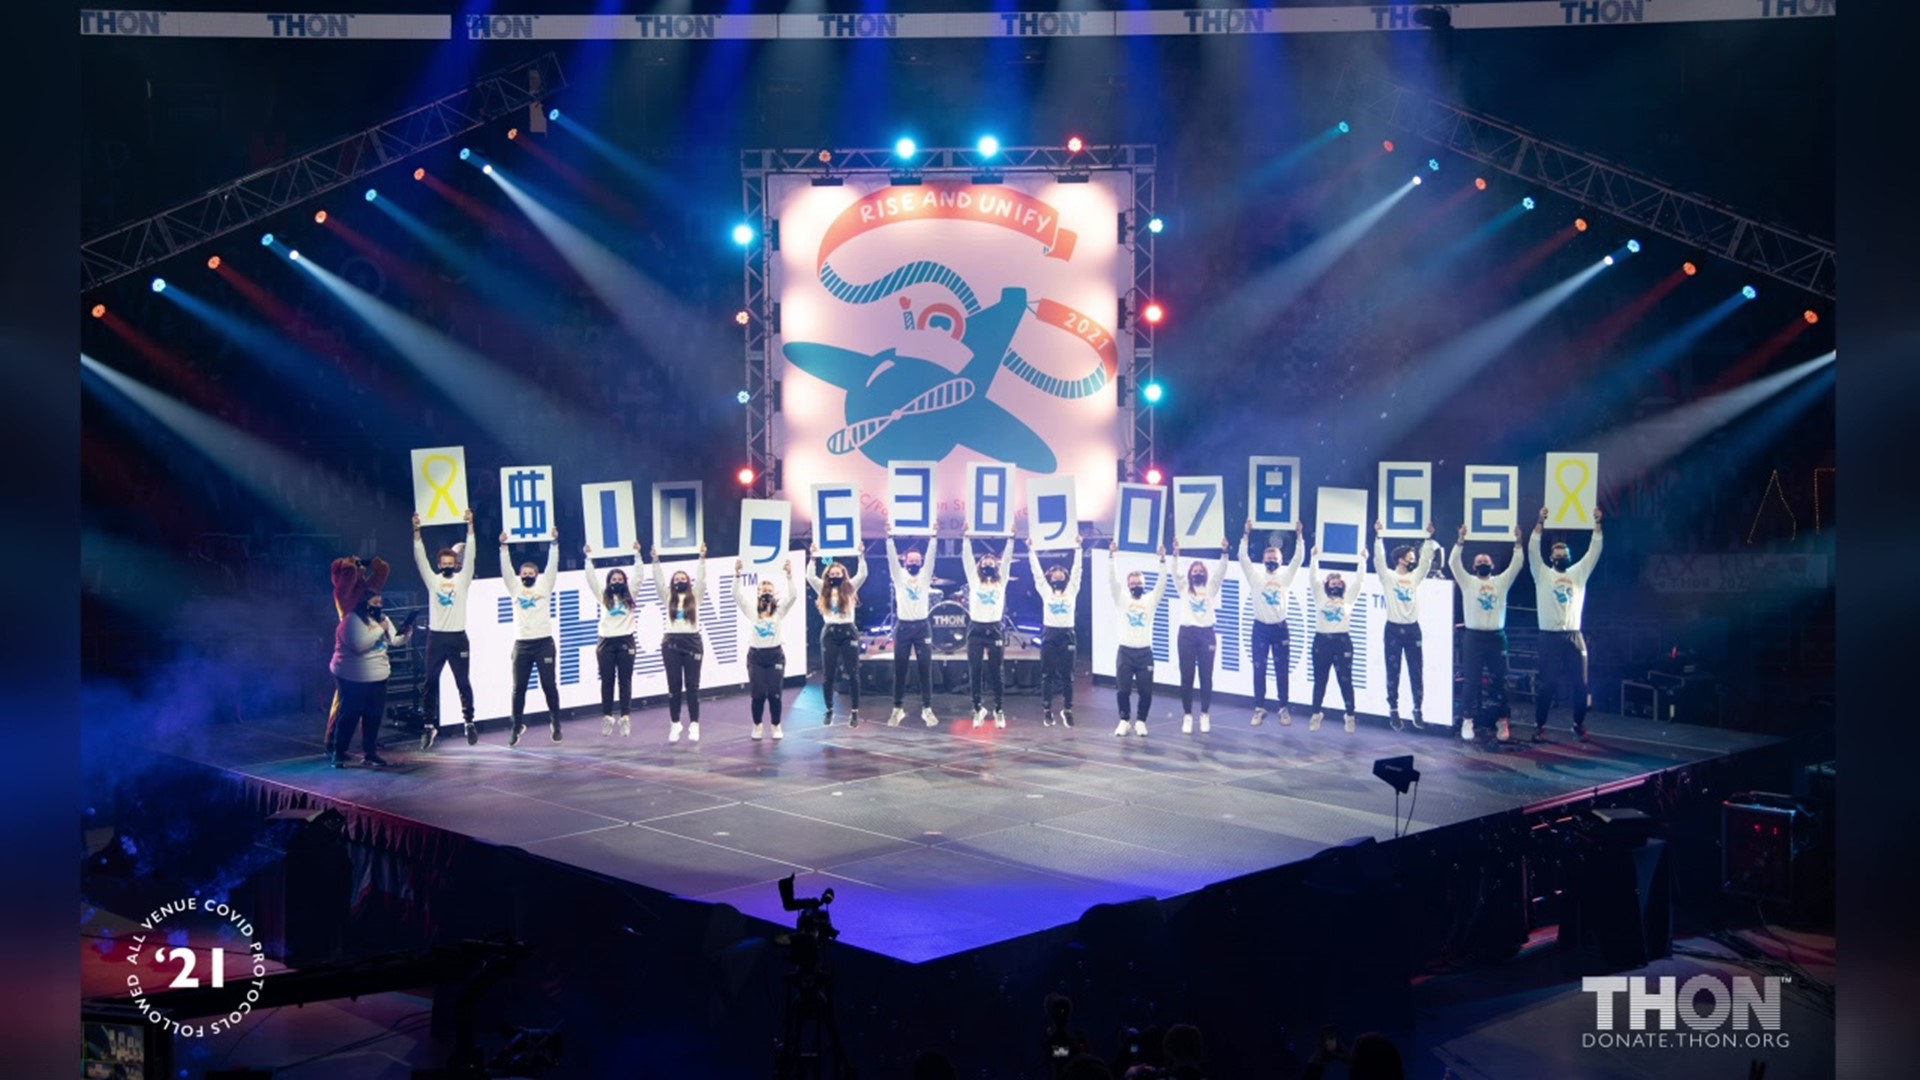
{"x": 757, "y": 254}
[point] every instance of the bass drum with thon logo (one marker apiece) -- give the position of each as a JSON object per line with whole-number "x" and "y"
{"x": 948, "y": 626}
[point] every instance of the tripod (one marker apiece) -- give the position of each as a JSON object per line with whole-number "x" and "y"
{"x": 810, "y": 1046}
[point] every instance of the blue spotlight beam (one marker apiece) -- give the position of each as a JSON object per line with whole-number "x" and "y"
{"x": 240, "y": 203}
{"x": 1632, "y": 451}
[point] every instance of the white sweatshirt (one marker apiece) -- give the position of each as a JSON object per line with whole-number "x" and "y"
{"x": 1136, "y": 615}
{"x": 1268, "y": 591}
{"x": 1402, "y": 590}
{"x": 360, "y": 648}
{"x": 1334, "y": 614}
{"x": 1483, "y": 601}
{"x": 1056, "y": 608}
{"x": 987, "y": 602}
{"x": 1560, "y": 595}
{"x": 1197, "y": 608}
{"x": 532, "y": 620}
{"x": 616, "y": 619}
{"x": 765, "y": 633}
{"x": 910, "y": 596}
{"x": 679, "y": 622}
{"x": 447, "y": 597}
{"x": 835, "y": 617}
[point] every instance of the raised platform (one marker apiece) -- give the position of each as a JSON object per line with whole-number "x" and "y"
{"x": 944, "y": 840}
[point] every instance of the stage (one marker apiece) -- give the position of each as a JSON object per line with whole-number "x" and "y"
{"x": 945, "y": 840}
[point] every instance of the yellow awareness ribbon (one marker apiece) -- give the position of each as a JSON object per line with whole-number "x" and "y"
{"x": 1572, "y": 495}
{"x": 440, "y": 487}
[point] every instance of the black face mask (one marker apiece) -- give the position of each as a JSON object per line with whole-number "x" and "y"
{"x": 766, "y": 602}
{"x": 1272, "y": 565}
{"x": 913, "y": 568}
{"x": 682, "y": 586}
{"x": 375, "y": 614}
{"x": 988, "y": 573}
{"x": 1138, "y": 591}
{"x": 528, "y": 580}
{"x": 836, "y": 581}
{"x": 1558, "y": 562}
{"x": 1337, "y": 590}
{"x": 1198, "y": 580}
{"x": 617, "y": 588}
{"x": 449, "y": 571}
{"x": 1483, "y": 569}
{"x": 1059, "y": 583}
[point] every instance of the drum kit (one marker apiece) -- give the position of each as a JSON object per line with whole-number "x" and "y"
{"x": 947, "y": 616}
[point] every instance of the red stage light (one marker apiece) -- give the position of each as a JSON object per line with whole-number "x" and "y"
{"x": 213, "y": 262}
{"x": 1689, "y": 269}
{"x": 1811, "y": 316}
{"x": 1075, "y": 145}
{"x": 1580, "y": 224}
{"x": 1154, "y": 475}
{"x": 1387, "y": 146}
{"x": 1153, "y": 313}
{"x": 99, "y": 311}
{"x": 419, "y": 174}
{"x": 513, "y": 133}
{"x": 320, "y": 217}
{"x": 1480, "y": 183}
{"x": 745, "y": 476}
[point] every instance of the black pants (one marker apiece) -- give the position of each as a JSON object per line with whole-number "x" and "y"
{"x": 525, "y": 655}
{"x": 1563, "y": 676}
{"x": 1056, "y": 666}
{"x": 447, "y": 648}
{"x": 1133, "y": 670}
{"x": 912, "y": 641}
{"x": 616, "y": 666}
{"x": 1197, "y": 645}
{"x": 766, "y": 670}
{"x": 839, "y": 648}
{"x": 1270, "y": 641}
{"x": 362, "y": 705}
{"x": 682, "y": 654}
{"x": 1332, "y": 653}
{"x": 1403, "y": 640}
{"x": 1483, "y": 651}
{"x": 986, "y": 648}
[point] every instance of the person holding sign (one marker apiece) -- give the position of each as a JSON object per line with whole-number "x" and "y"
{"x": 1059, "y": 599}
{"x": 446, "y": 579}
{"x": 766, "y": 656}
{"x": 986, "y": 641}
{"x": 1133, "y": 666}
{"x": 681, "y": 648}
{"x": 1400, "y": 580}
{"x": 361, "y": 664}
{"x": 1560, "y": 594}
{"x": 615, "y": 651}
{"x": 838, "y": 594}
{"x": 532, "y": 594}
{"x": 1269, "y": 583}
{"x": 1483, "y": 637}
{"x": 1333, "y": 607}
{"x": 912, "y": 632}
{"x": 1197, "y": 641}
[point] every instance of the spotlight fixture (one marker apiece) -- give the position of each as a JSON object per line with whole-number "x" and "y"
{"x": 1608, "y": 260}
{"x": 513, "y": 133}
{"x": 1747, "y": 291}
{"x": 1433, "y": 164}
{"x": 1154, "y": 475}
{"x": 904, "y": 148}
{"x": 743, "y": 397}
{"x": 465, "y": 153}
{"x": 745, "y": 475}
{"x": 159, "y": 284}
{"x": 419, "y": 174}
{"x": 825, "y": 157}
{"x": 1075, "y": 144}
{"x": 1689, "y": 269}
{"x": 743, "y": 234}
{"x": 267, "y": 240}
{"x": 1579, "y": 224}
{"x": 1343, "y": 126}
{"x": 294, "y": 255}
{"x": 319, "y": 217}
{"x": 1152, "y": 393}
{"x": 100, "y": 311}
{"x": 553, "y": 114}
{"x": 988, "y": 146}
{"x": 487, "y": 168}
{"x": 1416, "y": 180}
{"x": 1387, "y": 145}
{"x": 1480, "y": 183}
{"x": 1526, "y": 203}
{"x": 213, "y": 262}
{"x": 1153, "y": 313}
{"x": 741, "y": 317}
{"x": 1155, "y": 225}
{"x": 372, "y": 194}
{"x": 1811, "y": 316}
{"x": 1633, "y": 247}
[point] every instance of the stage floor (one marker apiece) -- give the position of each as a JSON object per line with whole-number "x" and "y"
{"x": 938, "y": 841}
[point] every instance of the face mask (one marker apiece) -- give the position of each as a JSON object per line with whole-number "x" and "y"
{"x": 1198, "y": 579}
{"x": 1272, "y": 565}
{"x": 1483, "y": 569}
{"x": 1137, "y": 590}
{"x": 618, "y": 588}
{"x": 449, "y": 571}
{"x": 528, "y": 580}
{"x": 988, "y": 572}
{"x": 836, "y": 581}
{"x": 682, "y": 586}
{"x": 1336, "y": 589}
{"x": 766, "y": 602}
{"x": 913, "y": 568}
{"x": 1057, "y": 581}
{"x": 376, "y": 614}
{"x": 1559, "y": 562}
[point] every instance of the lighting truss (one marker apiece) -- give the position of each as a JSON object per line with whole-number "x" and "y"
{"x": 1799, "y": 260}
{"x": 237, "y": 204}
{"x": 947, "y": 163}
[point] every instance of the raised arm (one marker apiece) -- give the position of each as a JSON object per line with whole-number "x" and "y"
{"x": 700, "y": 575}
{"x": 1428, "y": 549}
{"x": 1248, "y": 568}
{"x": 813, "y": 569}
{"x": 1006, "y": 555}
{"x": 1534, "y": 561}
{"x": 593, "y": 574}
{"x": 1115, "y": 578}
{"x": 377, "y": 573}
{"x": 420, "y": 560}
{"x": 1033, "y": 564}
{"x": 1379, "y": 552}
{"x": 465, "y": 574}
{"x": 660, "y": 585}
{"x": 859, "y": 576}
{"x": 1584, "y": 567}
{"x": 1073, "y": 572}
{"x": 966, "y": 563}
{"x": 506, "y": 564}
{"x": 788, "y": 595}
{"x": 552, "y": 571}
{"x": 1219, "y": 577}
{"x": 1505, "y": 577}
{"x": 893, "y": 560}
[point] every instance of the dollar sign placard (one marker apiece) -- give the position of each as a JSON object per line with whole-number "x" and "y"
{"x": 526, "y": 503}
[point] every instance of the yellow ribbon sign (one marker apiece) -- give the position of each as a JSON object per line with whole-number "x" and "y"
{"x": 1570, "y": 495}
{"x": 438, "y": 474}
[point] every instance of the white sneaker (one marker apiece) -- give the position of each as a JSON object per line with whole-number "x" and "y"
{"x": 1121, "y": 731}
{"x": 673, "y": 733}
{"x": 1259, "y": 717}
{"x": 979, "y": 716}
{"x": 1466, "y": 729}
{"x": 1286, "y": 717}
{"x": 927, "y": 717}
{"x": 606, "y": 725}
{"x": 898, "y": 714}
{"x": 999, "y": 719}
{"x": 1140, "y": 728}
{"x": 1206, "y": 723}
{"x": 1349, "y": 721}
{"x": 779, "y": 732}
{"x": 1313, "y": 722}
{"x": 1502, "y": 732}
{"x": 626, "y": 726}
{"x": 1186, "y": 724}
{"x": 758, "y": 731}
{"x": 693, "y": 731}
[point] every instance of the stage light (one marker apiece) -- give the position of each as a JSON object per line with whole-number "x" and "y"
{"x": 904, "y": 148}
{"x": 1075, "y": 144}
{"x": 465, "y": 153}
{"x": 825, "y": 156}
{"x": 513, "y": 133}
{"x": 1633, "y": 247}
{"x": 988, "y": 146}
{"x": 1387, "y": 146}
{"x": 745, "y": 476}
{"x": 419, "y": 174}
{"x": 1153, "y": 313}
{"x": 372, "y": 194}
{"x": 1608, "y": 260}
{"x": 487, "y": 169}
{"x": 1433, "y": 164}
{"x": 1689, "y": 269}
{"x": 741, "y": 317}
{"x": 1155, "y": 225}
{"x": 1480, "y": 183}
{"x": 267, "y": 240}
{"x": 319, "y": 217}
{"x": 294, "y": 255}
{"x": 100, "y": 311}
{"x": 1153, "y": 392}
{"x": 1579, "y": 224}
{"x": 743, "y": 397}
{"x": 1154, "y": 475}
{"x": 159, "y": 284}
{"x": 1811, "y": 316}
{"x": 1343, "y": 127}
{"x": 1749, "y": 292}
{"x": 1416, "y": 180}
{"x": 743, "y": 234}
{"x": 213, "y": 262}
{"x": 1526, "y": 203}
{"x": 553, "y": 114}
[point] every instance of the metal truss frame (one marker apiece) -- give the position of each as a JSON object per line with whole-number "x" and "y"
{"x": 763, "y": 313}
{"x": 236, "y": 204}
{"x": 1803, "y": 261}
